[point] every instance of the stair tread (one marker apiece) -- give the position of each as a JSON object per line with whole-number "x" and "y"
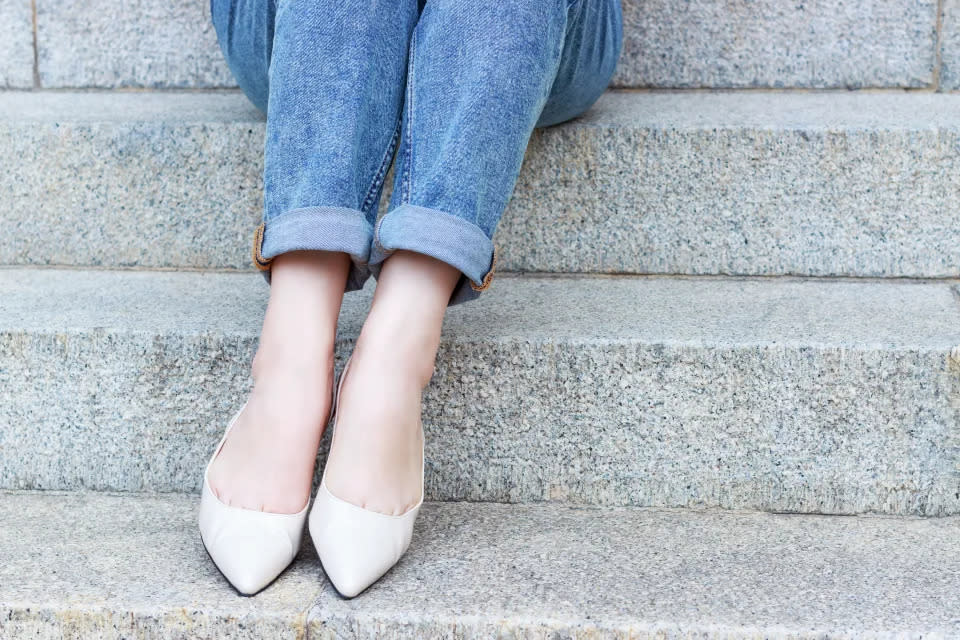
{"x": 113, "y": 564}
{"x": 124, "y": 106}
{"x": 848, "y": 313}
{"x": 661, "y": 109}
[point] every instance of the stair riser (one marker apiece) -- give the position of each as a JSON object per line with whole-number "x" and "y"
{"x": 594, "y": 196}
{"x": 16, "y": 44}
{"x": 777, "y": 428}
{"x": 706, "y": 43}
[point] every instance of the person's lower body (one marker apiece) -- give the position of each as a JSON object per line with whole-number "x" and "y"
{"x": 450, "y": 91}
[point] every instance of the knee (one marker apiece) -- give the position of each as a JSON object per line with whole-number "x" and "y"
{"x": 310, "y": 22}
{"x": 504, "y": 13}
{"x": 509, "y": 45}
{"x": 523, "y": 32}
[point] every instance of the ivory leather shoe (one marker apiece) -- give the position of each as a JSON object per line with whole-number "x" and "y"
{"x": 357, "y": 546}
{"x": 249, "y": 547}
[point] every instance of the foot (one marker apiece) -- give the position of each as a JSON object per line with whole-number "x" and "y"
{"x": 267, "y": 462}
{"x": 375, "y": 458}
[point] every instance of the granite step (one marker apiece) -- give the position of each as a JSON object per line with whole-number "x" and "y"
{"x": 698, "y": 43}
{"x": 133, "y": 567}
{"x": 801, "y": 395}
{"x": 850, "y": 184}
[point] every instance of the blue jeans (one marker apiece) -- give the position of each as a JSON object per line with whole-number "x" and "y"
{"x": 452, "y": 88}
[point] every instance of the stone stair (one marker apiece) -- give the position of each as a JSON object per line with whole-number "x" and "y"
{"x": 713, "y": 391}
{"x": 132, "y": 565}
{"x": 667, "y": 44}
{"x": 748, "y": 183}
{"x": 804, "y": 395}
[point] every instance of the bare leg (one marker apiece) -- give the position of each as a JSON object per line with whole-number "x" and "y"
{"x": 375, "y": 462}
{"x": 330, "y": 77}
{"x": 267, "y": 462}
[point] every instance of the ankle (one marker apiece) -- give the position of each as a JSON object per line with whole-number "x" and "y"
{"x": 293, "y": 362}
{"x": 398, "y": 345}
{"x": 300, "y": 324}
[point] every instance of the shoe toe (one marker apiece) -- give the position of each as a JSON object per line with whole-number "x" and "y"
{"x": 347, "y": 579}
{"x": 251, "y": 561}
{"x": 355, "y": 546}
{"x": 353, "y": 567}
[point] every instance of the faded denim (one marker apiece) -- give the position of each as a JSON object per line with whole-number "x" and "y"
{"x": 452, "y": 89}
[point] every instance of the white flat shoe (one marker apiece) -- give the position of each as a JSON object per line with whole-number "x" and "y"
{"x": 357, "y": 546}
{"x": 250, "y": 548}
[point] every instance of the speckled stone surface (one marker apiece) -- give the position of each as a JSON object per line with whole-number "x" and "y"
{"x": 771, "y": 43}
{"x": 950, "y": 45}
{"x": 150, "y": 179}
{"x": 699, "y": 43}
{"x": 744, "y": 183}
{"x": 16, "y": 44}
{"x": 100, "y": 566}
{"x": 136, "y": 43}
{"x": 482, "y": 571}
{"x": 774, "y": 394}
{"x": 700, "y": 183}
{"x": 82, "y": 565}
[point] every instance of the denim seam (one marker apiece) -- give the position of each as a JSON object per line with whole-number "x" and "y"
{"x": 407, "y": 148}
{"x": 406, "y": 194}
{"x": 382, "y": 171}
{"x": 261, "y": 263}
{"x": 488, "y": 277}
{"x": 376, "y": 236}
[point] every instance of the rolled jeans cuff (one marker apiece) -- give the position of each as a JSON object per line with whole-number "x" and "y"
{"x": 441, "y": 235}
{"x": 318, "y": 228}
